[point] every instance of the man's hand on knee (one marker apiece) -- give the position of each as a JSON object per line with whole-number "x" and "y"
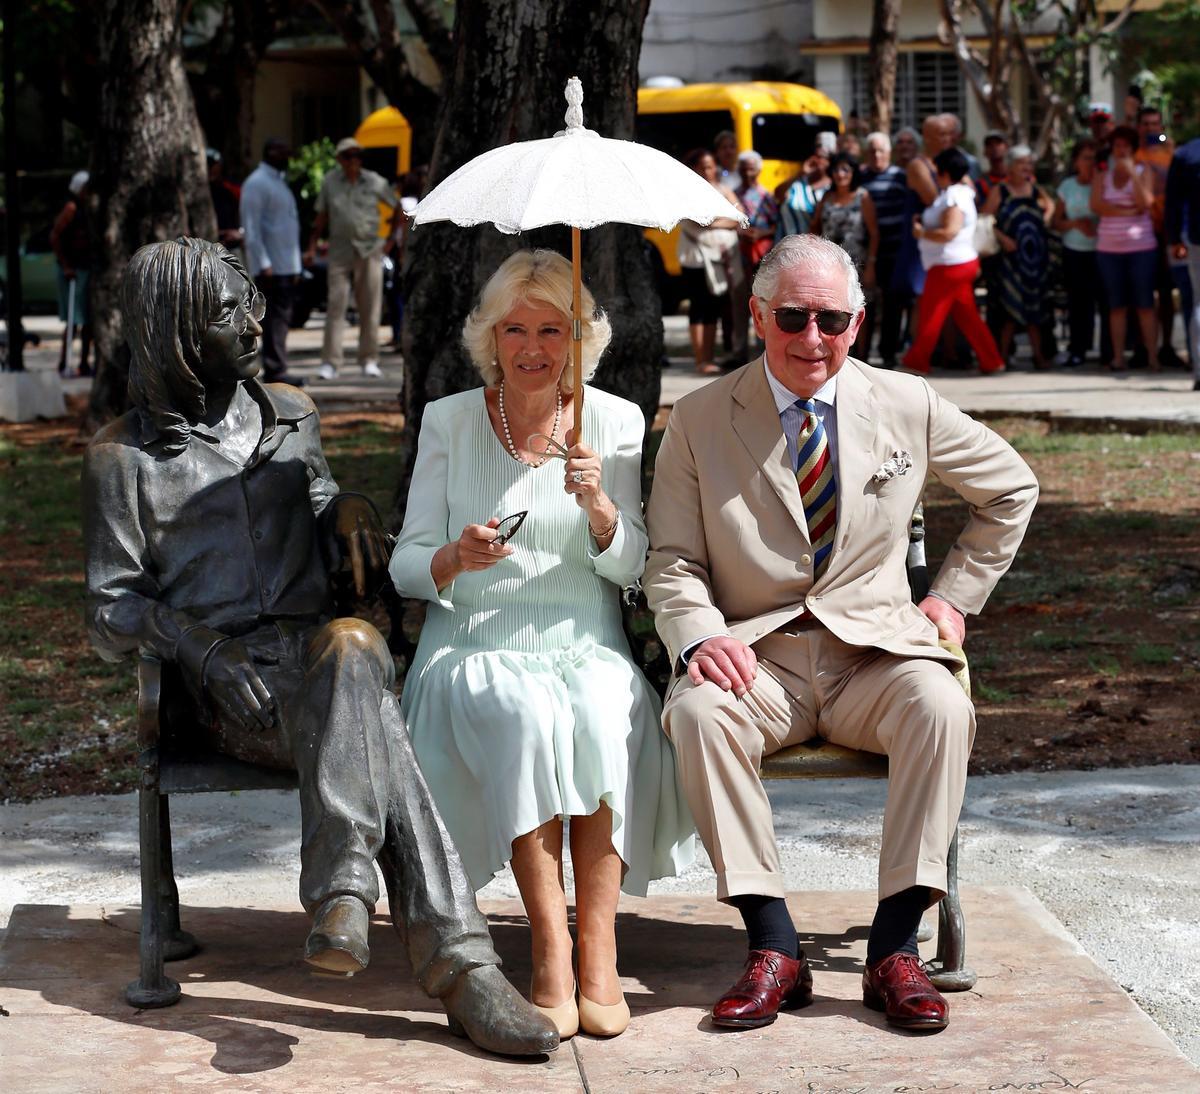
{"x": 233, "y": 684}
{"x": 950, "y": 622}
{"x": 728, "y": 663}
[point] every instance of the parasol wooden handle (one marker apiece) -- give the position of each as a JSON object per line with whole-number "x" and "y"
{"x": 577, "y": 330}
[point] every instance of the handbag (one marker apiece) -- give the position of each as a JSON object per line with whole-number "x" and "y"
{"x": 986, "y": 243}
{"x": 716, "y": 273}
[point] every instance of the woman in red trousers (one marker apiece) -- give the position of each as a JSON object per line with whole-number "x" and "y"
{"x": 945, "y": 233}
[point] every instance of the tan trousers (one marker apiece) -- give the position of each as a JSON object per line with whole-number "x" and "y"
{"x": 367, "y": 275}
{"x": 810, "y": 683}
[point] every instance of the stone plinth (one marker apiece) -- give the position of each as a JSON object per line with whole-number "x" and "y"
{"x": 1042, "y": 1016}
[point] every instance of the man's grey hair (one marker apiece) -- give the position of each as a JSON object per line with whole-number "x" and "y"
{"x": 750, "y": 156}
{"x": 878, "y": 138}
{"x": 807, "y": 250}
{"x": 1018, "y": 152}
{"x": 907, "y": 131}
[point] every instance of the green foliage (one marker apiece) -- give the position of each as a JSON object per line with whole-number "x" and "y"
{"x": 989, "y": 694}
{"x": 1167, "y": 43}
{"x": 1113, "y": 445}
{"x": 308, "y": 167}
{"x": 1149, "y": 653}
{"x": 1104, "y": 664}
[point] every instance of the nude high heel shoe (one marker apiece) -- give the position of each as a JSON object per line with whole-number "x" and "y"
{"x": 602, "y": 1020}
{"x": 565, "y": 1016}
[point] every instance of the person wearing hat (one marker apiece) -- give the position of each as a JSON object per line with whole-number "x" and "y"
{"x": 72, "y": 246}
{"x": 348, "y": 206}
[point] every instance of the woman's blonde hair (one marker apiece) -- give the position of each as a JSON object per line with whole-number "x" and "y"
{"x": 532, "y": 277}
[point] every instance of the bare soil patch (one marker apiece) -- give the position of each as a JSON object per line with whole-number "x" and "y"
{"x": 1087, "y": 656}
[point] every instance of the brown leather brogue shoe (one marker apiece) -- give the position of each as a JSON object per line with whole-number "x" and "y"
{"x": 771, "y": 982}
{"x": 899, "y": 987}
{"x": 337, "y": 943}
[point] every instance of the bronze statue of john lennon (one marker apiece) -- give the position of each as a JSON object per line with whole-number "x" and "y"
{"x": 209, "y": 512}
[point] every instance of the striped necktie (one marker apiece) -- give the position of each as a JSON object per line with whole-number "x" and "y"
{"x": 818, "y": 491}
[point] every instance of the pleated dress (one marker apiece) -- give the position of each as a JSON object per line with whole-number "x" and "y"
{"x": 522, "y": 700}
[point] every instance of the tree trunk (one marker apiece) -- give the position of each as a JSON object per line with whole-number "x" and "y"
{"x": 224, "y": 90}
{"x": 370, "y": 31}
{"x": 148, "y": 173}
{"x": 512, "y": 63}
{"x": 882, "y": 60}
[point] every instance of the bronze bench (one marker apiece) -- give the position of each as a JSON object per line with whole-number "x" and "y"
{"x": 819, "y": 759}
{"x": 168, "y": 768}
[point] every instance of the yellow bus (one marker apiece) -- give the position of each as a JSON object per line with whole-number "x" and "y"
{"x": 779, "y": 121}
{"x": 386, "y": 138}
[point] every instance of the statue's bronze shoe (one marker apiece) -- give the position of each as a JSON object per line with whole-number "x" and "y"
{"x": 337, "y": 943}
{"x": 485, "y": 1007}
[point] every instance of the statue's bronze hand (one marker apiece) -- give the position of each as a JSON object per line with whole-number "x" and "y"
{"x": 234, "y": 686}
{"x": 361, "y": 536}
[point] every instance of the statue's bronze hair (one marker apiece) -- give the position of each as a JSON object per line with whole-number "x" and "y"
{"x": 170, "y": 295}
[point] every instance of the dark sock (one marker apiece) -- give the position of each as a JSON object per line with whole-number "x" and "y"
{"x": 896, "y": 921}
{"x": 768, "y": 924}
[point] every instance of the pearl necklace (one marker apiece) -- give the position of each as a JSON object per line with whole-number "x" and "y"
{"x": 512, "y": 448}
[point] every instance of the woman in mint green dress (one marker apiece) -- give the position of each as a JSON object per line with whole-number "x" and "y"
{"x": 523, "y": 703}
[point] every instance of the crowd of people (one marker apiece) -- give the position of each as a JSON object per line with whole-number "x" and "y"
{"x": 1106, "y": 249}
{"x": 263, "y": 218}
{"x": 932, "y": 230}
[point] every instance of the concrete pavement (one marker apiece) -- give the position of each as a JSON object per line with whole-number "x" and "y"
{"x": 1135, "y": 399}
{"x": 1110, "y": 854}
{"x": 1040, "y": 1017}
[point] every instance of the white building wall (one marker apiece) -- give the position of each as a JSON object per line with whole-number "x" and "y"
{"x": 849, "y": 21}
{"x": 724, "y": 40}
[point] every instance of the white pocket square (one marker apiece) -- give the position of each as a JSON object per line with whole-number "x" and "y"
{"x": 889, "y": 469}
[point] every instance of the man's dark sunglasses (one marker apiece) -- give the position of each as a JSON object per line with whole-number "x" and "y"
{"x": 794, "y": 320}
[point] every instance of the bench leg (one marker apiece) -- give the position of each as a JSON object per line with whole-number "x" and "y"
{"x": 153, "y": 988}
{"x": 949, "y": 970}
{"x": 177, "y": 943}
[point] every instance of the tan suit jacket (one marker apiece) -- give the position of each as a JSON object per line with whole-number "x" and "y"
{"x": 729, "y": 547}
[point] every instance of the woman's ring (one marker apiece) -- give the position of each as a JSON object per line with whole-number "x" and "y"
{"x": 577, "y": 476}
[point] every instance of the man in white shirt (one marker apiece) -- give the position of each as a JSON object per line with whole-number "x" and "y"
{"x": 271, "y": 225}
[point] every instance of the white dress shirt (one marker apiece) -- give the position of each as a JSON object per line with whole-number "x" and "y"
{"x": 271, "y": 223}
{"x": 791, "y": 417}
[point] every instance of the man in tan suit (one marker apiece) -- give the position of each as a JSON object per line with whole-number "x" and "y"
{"x": 778, "y": 634}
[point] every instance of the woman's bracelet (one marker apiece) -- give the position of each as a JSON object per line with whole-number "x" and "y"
{"x": 599, "y": 534}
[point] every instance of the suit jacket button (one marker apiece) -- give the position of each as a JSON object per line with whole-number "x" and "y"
{"x": 806, "y": 560}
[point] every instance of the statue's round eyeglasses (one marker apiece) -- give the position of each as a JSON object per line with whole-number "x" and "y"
{"x": 240, "y": 317}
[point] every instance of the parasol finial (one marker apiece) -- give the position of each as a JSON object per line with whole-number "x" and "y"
{"x": 574, "y": 94}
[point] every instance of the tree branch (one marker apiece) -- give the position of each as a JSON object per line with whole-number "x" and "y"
{"x": 436, "y": 33}
{"x": 955, "y": 38}
{"x": 380, "y": 51}
{"x": 1118, "y": 20}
